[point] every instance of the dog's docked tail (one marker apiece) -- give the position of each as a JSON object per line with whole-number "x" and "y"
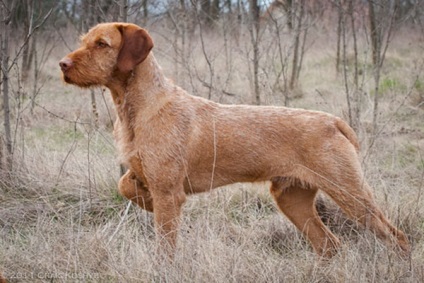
{"x": 348, "y": 132}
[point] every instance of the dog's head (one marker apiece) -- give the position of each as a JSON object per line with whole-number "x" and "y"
{"x": 107, "y": 51}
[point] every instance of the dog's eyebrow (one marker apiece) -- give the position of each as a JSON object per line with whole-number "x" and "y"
{"x": 105, "y": 39}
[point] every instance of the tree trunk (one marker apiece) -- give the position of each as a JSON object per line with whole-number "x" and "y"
{"x": 254, "y": 35}
{"x": 356, "y": 119}
{"x": 28, "y": 7}
{"x": 374, "y": 34}
{"x": 230, "y": 7}
{"x": 123, "y": 10}
{"x": 145, "y": 12}
{"x": 295, "y": 64}
{"x": 302, "y": 52}
{"x": 339, "y": 34}
{"x": 4, "y": 58}
{"x": 345, "y": 66}
{"x": 214, "y": 14}
{"x": 1, "y": 154}
{"x": 36, "y": 71}
{"x": 288, "y": 8}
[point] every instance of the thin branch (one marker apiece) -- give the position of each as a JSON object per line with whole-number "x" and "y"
{"x": 61, "y": 117}
{"x": 205, "y": 54}
{"x": 404, "y": 100}
{"x": 29, "y": 35}
{"x": 211, "y": 87}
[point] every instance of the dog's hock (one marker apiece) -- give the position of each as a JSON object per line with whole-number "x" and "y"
{"x": 135, "y": 47}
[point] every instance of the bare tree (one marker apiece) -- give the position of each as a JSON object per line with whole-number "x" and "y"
{"x": 357, "y": 91}
{"x": 210, "y": 10}
{"x": 346, "y": 15}
{"x": 209, "y": 84}
{"x": 278, "y": 28}
{"x": 280, "y": 5}
{"x": 289, "y": 20}
{"x": 381, "y": 19}
{"x": 300, "y": 27}
{"x": 123, "y": 10}
{"x": 178, "y": 15}
{"x": 8, "y": 12}
{"x": 254, "y": 30}
{"x": 145, "y": 11}
{"x": 1, "y": 153}
{"x": 27, "y": 7}
{"x": 340, "y": 15}
{"x": 7, "y": 9}
{"x": 215, "y": 10}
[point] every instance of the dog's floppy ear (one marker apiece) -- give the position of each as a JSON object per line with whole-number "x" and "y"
{"x": 136, "y": 44}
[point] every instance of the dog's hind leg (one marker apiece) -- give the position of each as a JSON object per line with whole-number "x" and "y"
{"x": 339, "y": 175}
{"x": 356, "y": 200}
{"x": 297, "y": 202}
{"x": 135, "y": 190}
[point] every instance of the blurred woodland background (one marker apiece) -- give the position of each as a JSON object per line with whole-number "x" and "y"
{"x": 61, "y": 217}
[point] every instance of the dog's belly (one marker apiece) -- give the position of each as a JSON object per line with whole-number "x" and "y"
{"x": 197, "y": 182}
{"x": 200, "y": 184}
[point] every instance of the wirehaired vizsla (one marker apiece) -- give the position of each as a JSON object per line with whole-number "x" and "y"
{"x": 175, "y": 144}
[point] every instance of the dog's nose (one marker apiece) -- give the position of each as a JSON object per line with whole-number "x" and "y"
{"x": 65, "y": 64}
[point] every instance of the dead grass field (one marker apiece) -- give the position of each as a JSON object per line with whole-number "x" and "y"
{"x": 62, "y": 219}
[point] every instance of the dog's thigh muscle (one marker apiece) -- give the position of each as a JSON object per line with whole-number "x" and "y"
{"x": 345, "y": 184}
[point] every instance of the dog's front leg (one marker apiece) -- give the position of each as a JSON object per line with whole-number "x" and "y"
{"x": 167, "y": 205}
{"x": 135, "y": 190}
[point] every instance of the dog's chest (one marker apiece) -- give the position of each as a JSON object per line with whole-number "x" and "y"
{"x": 124, "y": 141}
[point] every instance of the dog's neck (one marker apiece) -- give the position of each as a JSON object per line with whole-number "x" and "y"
{"x": 143, "y": 91}
{"x": 144, "y": 81}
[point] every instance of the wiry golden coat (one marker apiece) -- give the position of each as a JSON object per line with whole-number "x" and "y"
{"x": 175, "y": 144}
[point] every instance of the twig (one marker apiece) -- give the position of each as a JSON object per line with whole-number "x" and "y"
{"x": 120, "y": 222}
{"x": 30, "y": 33}
{"x": 389, "y": 119}
{"x": 214, "y": 88}
{"x": 60, "y": 117}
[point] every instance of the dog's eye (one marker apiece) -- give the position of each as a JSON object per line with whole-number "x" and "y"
{"x": 101, "y": 44}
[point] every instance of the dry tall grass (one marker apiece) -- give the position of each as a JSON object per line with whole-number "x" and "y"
{"x": 62, "y": 220}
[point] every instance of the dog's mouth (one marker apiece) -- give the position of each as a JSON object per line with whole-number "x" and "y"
{"x": 66, "y": 78}
{"x": 83, "y": 84}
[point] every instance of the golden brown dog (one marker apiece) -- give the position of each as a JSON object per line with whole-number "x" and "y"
{"x": 176, "y": 144}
